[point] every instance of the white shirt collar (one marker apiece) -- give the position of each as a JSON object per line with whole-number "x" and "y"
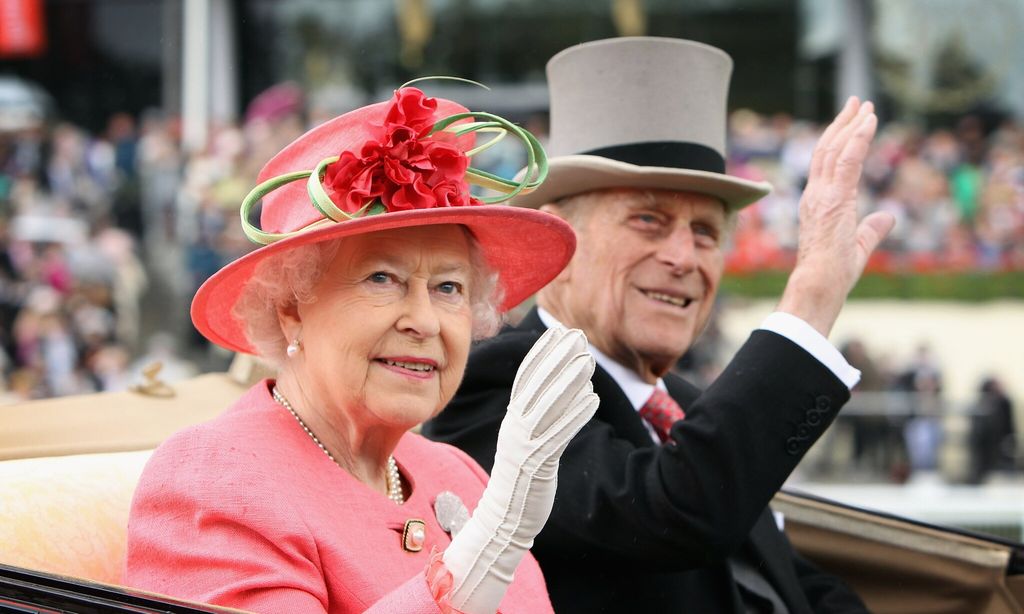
{"x": 635, "y": 389}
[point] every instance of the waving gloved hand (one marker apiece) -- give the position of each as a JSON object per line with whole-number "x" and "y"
{"x": 552, "y": 398}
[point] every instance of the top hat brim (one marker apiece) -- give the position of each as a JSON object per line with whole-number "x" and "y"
{"x": 576, "y": 174}
{"x": 526, "y": 248}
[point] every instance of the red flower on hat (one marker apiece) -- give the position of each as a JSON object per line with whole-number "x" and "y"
{"x": 413, "y": 109}
{"x": 403, "y": 167}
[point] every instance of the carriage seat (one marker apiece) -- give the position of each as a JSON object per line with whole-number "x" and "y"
{"x": 68, "y": 515}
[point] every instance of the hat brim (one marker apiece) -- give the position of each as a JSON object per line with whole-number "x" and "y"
{"x": 526, "y": 248}
{"x": 576, "y": 174}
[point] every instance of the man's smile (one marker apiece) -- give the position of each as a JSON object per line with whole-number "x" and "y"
{"x": 668, "y": 297}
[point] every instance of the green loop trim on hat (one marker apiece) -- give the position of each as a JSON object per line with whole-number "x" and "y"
{"x": 536, "y": 158}
{"x": 257, "y": 235}
{"x": 536, "y": 172}
{"x": 326, "y": 206}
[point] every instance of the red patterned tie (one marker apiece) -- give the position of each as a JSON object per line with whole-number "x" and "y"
{"x": 661, "y": 411}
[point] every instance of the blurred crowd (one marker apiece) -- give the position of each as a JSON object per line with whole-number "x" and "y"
{"x": 70, "y": 276}
{"x": 901, "y": 422}
{"x": 105, "y": 236}
{"x": 957, "y": 193}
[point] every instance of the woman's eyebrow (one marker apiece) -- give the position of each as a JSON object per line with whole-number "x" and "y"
{"x": 376, "y": 259}
{"x": 390, "y": 260}
{"x": 452, "y": 267}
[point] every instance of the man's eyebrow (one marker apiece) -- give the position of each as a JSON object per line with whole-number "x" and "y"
{"x": 644, "y": 203}
{"x": 718, "y": 223}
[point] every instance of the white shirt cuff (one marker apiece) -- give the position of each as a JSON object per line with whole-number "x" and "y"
{"x": 804, "y": 335}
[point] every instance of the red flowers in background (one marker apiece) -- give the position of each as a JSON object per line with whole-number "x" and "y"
{"x": 404, "y": 168}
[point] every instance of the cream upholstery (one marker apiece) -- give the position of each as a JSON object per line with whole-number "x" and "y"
{"x": 68, "y": 514}
{"x": 69, "y": 467}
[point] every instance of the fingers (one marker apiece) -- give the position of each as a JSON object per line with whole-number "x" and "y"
{"x": 551, "y": 363}
{"x": 872, "y": 230}
{"x": 583, "y": 408}
{"x": 553, "y": 395}
{"x": 848, "y": 141}
{"x": 557, "y": 344}
{"x": 533, "y": 358}
{"x": 561, "y": 392}
{"x": 848, "y": 112}
{"x": 569, "y": 423}
{"x": 850, "y": 164}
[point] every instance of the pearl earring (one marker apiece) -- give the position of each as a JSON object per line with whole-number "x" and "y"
{"x": 293, "y": 348}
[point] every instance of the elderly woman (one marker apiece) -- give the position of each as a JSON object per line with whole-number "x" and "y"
{"x": 310, "y": 494}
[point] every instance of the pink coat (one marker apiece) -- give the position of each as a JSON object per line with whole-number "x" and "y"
{"x": 246, "y": 511}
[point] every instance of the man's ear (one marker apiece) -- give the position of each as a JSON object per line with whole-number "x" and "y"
{"x": 565, "y": 274}
{"x": 553, "y": 209}
{"x": 290, "y": 321}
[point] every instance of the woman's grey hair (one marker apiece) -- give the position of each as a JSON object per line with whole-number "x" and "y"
{"x": 289, "y": 278}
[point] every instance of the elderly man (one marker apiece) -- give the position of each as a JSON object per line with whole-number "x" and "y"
{"x": 656, "y": 512}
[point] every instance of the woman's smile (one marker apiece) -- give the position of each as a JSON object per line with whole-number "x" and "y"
{"x": 410, "y": 367}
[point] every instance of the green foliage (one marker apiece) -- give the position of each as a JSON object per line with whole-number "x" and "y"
{"x": 968, "y": 287}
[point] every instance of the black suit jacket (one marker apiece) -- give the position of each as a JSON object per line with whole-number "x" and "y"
{"x": 643, "y": 527}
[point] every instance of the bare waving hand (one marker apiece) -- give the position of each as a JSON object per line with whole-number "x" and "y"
{"x": 834, "y": 245}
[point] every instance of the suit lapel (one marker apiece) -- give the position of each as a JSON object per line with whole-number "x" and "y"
{"x": 616, "y": 410}
{"x": 679, "y": 389}
{"x": 531, "y": 322}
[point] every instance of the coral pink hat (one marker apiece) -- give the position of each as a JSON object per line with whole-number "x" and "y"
{"x": 385, "y": 166}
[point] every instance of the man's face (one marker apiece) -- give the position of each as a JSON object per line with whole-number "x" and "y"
{"x": 645, "y": 273}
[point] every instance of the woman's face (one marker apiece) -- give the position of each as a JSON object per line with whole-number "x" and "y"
{"x": 386, "y": 339}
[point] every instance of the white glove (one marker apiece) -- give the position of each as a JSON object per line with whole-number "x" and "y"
{"x": 552, "y": 398}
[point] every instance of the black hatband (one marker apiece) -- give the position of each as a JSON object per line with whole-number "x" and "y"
{"x": 674, "y": 154}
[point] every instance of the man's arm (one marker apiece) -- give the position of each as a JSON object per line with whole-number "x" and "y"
{"x": 694, "y": 500}
{"x": 665, "y": 507}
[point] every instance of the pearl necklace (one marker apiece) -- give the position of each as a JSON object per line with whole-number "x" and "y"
{"x": 393, "y": 479}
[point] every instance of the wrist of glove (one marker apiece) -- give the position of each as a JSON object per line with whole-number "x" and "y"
{"x": 552, "y": 398}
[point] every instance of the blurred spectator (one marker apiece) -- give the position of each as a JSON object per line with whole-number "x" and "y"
{"x": 993, "y": 440}
{"x": 876, "y": 445}
{"x": 923, "y": 432}
{"x": 121, "y": 145}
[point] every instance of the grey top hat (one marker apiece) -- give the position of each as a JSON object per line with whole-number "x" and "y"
{"x": 641, "y": 112}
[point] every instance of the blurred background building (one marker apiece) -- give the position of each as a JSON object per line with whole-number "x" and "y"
{"x": 130, "y": 130}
